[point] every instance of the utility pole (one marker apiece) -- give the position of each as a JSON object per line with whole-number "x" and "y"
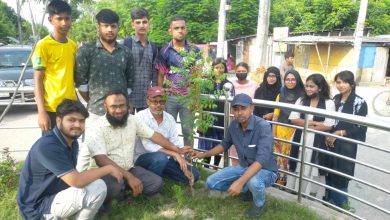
{"x": 262, "y": 32}
{"x": 19, "y": 20}
{"x": 357, "y": 44}
{"x": 221, "y": 28}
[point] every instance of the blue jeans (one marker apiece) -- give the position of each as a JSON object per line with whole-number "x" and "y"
{"x": 223, "y": 179}
{"x": 164, "y": 166}
{"x": 179, "y": 105}
{"x": 337, "y": 198}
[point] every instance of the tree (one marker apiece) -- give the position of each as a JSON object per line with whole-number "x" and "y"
{"x": 8, "y": 20}
{"x": 378, "y": 16}
{"x": 202, "y": 17}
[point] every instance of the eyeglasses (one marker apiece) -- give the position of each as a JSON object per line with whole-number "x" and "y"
{"x": 157, "y": 102}
{"x": 121, "y": 106}
{"x": 290, "y": 80}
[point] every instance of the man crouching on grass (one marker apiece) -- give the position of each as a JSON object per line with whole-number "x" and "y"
{"x": 49, "y": 185}
{"x": 253, "y": 139}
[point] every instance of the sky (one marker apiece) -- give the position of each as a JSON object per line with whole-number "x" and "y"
{"x": 37, "y": 9}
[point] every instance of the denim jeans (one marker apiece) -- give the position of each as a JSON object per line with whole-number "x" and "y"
{"x": 337, "y": 198}
{"x": 179, "y": 105}
{"x": 164, "y": 166}
{"x": 223, "y": 179}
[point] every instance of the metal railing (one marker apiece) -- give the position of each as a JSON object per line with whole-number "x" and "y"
{"x": 370, "y": 123}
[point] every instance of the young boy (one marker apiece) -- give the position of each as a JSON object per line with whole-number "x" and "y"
{"x": 53, "y": 61}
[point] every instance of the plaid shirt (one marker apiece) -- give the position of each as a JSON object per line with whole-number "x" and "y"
{"x": 145, "y": 72}
{"x": 103, "y": 71}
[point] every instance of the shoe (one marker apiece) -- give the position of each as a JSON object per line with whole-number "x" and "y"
{"x": 254, "y": 211}
{"x": 281, "y": 181}
{"x": 246, "y": 196}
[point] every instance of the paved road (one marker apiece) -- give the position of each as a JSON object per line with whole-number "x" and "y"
{"x": 25, "y": 116}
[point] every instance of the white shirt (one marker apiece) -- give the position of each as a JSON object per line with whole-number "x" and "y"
{"x": 167, "y": 128}
{"x": 117, "y": 143}
{"x": 329, "y": 105}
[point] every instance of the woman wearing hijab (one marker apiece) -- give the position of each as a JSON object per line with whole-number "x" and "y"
{"x": 292, "y": 90}
{"x": 346, "y": 102}
{"x": 269, "y": 89}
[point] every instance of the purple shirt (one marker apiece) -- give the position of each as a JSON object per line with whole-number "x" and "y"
{"x": 168, "y": 58}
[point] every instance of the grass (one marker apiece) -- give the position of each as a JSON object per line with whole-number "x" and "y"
{"x": 177, "y": 202}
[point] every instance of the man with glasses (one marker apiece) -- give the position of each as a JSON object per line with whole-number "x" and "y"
{"x": 163, "y": 162}
{"x": 111, "y": 142}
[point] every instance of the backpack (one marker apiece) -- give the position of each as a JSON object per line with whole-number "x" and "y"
{"x": 128, "y": 42}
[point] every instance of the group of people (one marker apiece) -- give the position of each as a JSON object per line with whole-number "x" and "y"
{"x": 121, "y": 153}
{"x": 130, "y": 137}
{"x": 288, "y": 87}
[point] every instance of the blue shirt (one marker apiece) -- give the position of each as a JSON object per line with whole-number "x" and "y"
{"x": 49, "y": 159}
{"x": 170, "y": 57}
{"x": 253, "y": 144}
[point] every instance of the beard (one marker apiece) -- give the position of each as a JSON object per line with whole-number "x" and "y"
{"x": 110, "y": 41}
{"x": 114, "y": 122}
{"x": 68, "y": 134}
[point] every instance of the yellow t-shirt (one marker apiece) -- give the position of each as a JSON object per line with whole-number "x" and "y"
{"x": 58, "y": 61}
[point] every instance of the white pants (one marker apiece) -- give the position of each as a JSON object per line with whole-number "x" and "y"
{"x": 79, "y": 203}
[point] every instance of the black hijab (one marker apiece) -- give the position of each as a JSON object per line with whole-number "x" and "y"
{"x": 267, "y": 91}
{"x": 290, "y": 95}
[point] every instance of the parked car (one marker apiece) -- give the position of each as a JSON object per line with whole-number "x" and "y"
{"x": 12, "y": 60}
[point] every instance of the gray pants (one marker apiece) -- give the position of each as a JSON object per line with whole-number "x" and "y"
{"x": 152, "y": 184}
{"x": 79, "y": 203}
{"x": 179, "y": 105}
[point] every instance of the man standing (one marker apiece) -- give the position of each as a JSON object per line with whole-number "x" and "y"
{"x": 253, "y": 139}
{"x": 165, "y": 163}
{"x": 49, "y": 185}
{"x": 287, "y": 65}
{"x": 144, "y": 58}
{"x": 103, "y": 65}
{"x": 111, "y": 142}
{"x": 172, "y": 55}
{"x": 53, "y": 61}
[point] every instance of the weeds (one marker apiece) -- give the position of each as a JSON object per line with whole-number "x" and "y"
{"x": 8, "y": 173}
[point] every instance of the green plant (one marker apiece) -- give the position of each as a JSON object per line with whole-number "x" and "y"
{"x": 180, "y": 199}
{"x": 8, "y": 172}
{"x": 200, "y": 79}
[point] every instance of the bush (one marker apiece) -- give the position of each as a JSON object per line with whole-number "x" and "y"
{"x": 8, "y": 173}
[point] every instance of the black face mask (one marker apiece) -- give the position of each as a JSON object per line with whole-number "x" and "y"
{"x": 241, "y": 76}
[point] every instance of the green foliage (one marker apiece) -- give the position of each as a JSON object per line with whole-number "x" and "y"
{"x": 8, "y": 20}
{"x": 313, "y": 15}
{"x": 180, "y": 198}
{"x": 9, "y": 28}
{"x": 202, "y": 17}
{"x": 242, "y": 19}
{"x": 8, "y": 173}
{"x": 378, "y": 16}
